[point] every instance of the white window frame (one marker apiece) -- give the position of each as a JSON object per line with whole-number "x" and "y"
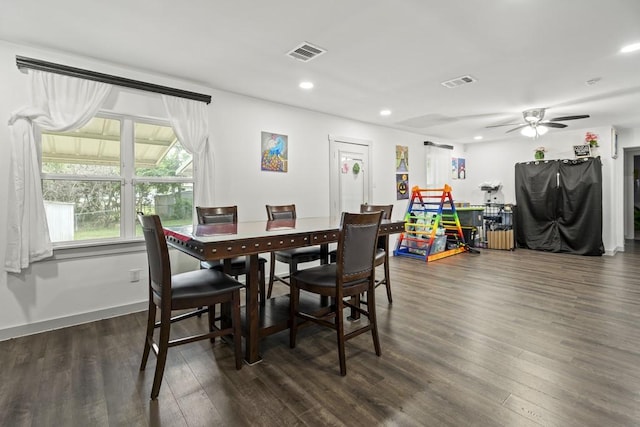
{"x": 128, "y": 181}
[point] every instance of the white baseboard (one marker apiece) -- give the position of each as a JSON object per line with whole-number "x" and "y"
{"x": 76, "y": 319}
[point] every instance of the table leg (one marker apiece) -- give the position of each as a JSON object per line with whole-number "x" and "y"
{"x": 252, "y": 315}
{"x": 324, "y": 259}
{"x": 225, "y": 308}
{"x": 324, "y": 253}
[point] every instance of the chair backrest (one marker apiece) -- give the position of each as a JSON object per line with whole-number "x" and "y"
{"x": 385, "y": 209}
{"x": 357, "y": 245}
{"x": 383, "y": 241}
{"x": 281, "y": 212}
{"x": 217, "y": 214}
{"x": 157, "y": 255}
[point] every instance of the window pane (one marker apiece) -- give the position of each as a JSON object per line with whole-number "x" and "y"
{"x": 159, "y": 153}
{"x": 91, "y": 150}
{"x": 82, "y": 210}
{"x": 173, "y": 202}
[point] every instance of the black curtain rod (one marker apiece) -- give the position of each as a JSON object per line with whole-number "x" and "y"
{"x": 37, "y": 64}
{"x": 433, "y": 144}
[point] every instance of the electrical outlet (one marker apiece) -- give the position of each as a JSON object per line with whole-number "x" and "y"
{"x": 134, "y": 275}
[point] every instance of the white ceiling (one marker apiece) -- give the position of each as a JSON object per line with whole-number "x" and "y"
{"x": 380, "y": 54}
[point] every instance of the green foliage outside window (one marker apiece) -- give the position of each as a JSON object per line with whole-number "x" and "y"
{"x": 84, "y": 183}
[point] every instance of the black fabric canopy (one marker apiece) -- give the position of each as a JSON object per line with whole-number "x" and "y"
{"x": 559, "y": 206}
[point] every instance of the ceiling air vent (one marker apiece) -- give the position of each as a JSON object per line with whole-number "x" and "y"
{"x": 305, "y": 52}
{"x": 459, "y": 81}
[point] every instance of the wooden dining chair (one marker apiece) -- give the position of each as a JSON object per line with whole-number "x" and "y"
{"x": 169, "y": 292}
{"x": 292, "y": 257}
{"x": 351, "y": 275}
{"x": 239, "y": 266}
{"x": 382, "y": 248}
{"x": 382, "y": 251}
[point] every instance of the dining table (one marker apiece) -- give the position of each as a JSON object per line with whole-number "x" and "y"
{"x": 209, "y": 242}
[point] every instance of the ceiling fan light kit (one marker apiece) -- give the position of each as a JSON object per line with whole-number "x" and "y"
{"x": 534, "y": 126}
{"x": 534, "y": 115}
{"x": 533, "y": 131}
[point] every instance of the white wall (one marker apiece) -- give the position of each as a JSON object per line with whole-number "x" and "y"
{"x": 58, "y": 293}
{"x": 236, "y": 123}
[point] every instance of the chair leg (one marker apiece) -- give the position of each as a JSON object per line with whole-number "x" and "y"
{"x": 237, "y": 329}
{"x": 373, "y": 321}
{"x": 272, "y": 272}
{"x": 212, "y": 321}
{"x": 199, "y": 308}
{"x": 294, "y": 300}
{"x": 293, "y": 267}
{"x": 355, "y": 314}
{"x": 151, "y": 321}
{"x": 340, "y": 336}
{"x": 163, "y": 347}
{"x": 387, "y": 283}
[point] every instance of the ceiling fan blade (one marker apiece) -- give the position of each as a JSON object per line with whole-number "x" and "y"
{"x": 506, "y": 124}
{"x": 561, "y": 119}
{"x": 517, "y": 127}
{"x": 552, "y": 125}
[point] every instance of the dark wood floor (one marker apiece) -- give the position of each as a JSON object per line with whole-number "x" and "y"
{"x": 497, "y": 339}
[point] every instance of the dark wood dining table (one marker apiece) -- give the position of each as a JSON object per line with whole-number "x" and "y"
{"x": 210, "y": 242}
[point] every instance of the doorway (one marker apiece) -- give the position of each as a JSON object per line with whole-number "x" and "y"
{"x": 631, "y": 191}
{"x": 636, "y": 197}
{"x": 350, "y": 174}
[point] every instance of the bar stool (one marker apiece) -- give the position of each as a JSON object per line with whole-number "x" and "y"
{"x": 239, "y": 267}
{"x": 292, "y": 257}
{"x": 190, "y": 290}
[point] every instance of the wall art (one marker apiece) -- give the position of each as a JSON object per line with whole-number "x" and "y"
{"x": 402, "y": 159}
{"x": 458, "y": 168}
{"x": 402, "y": 186}
{"x": 275, "y": 152}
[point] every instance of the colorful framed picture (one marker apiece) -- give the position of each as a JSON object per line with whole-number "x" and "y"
{"x": 402, "y": 159}
{"x": 275, "y": 152}
{"x": 402, "y": 186}
{"x": 462, "y": 168}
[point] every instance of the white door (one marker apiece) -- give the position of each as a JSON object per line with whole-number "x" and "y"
{"x": 350, "y": 176}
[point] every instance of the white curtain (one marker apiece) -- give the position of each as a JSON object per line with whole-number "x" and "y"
{"x": 58, "y": 103}
{"x": 190, "y": 123}
{"x": 438, "y": 166}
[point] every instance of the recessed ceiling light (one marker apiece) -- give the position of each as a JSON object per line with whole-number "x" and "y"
{"x": 477, "y": 138}
{"x": 306, "y": 85}
{"x": 385, "y": 112}
{"x": 630, "y": 48}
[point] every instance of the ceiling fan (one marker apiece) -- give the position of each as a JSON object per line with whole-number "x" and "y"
{"x": 535, "y": 126}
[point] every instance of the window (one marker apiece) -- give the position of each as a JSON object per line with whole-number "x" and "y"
{"x": 96, "y": 178}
